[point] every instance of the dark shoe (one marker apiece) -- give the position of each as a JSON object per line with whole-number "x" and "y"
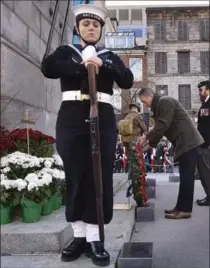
{"x": 74, "y": 250}
{"x": 178, "y": 215}
{"x": 171, "y": 211}
{"x": 204, "y": 202}
{"x": 98, "y": 254}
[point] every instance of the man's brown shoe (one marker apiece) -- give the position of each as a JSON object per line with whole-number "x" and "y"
{"x": 171, "y": 211}
{"x": 178, "y": 215}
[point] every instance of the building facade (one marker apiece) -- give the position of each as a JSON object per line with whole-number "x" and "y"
{"x": 178, "y": 52}
{"x": 130, "y": 43}
{"x": 25, "y": 27}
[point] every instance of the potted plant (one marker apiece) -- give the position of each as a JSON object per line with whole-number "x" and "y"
{"x": 35, "y": 194}
{"x": 10, "y": 191}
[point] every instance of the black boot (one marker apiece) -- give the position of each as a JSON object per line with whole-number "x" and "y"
{"x": 73, "y": 250}
{"x": 98, "y": 254}
{"x": 204, "y": 202}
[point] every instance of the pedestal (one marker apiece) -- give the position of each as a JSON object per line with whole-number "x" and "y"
{"x": 174, "y": 178}
{"x": 145, "y": 214}
{"x": 151, "y": 182}
{"x": 135, "y": 255}
{"x": 151, "y": 192}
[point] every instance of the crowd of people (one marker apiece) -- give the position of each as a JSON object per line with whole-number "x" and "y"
{"x": 157, "y": 160}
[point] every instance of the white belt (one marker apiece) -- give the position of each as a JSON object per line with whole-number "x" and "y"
{"x": 76, "y": 95}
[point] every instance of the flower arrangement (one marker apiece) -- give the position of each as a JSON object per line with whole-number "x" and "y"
{"x": 137, "y": 173}
{"x": 41, "y": 145}
{"x": 37, "y": 185}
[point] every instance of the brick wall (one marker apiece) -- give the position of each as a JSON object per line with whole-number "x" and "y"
{"x": 24, "y": 31}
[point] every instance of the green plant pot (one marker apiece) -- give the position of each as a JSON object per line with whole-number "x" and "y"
{"x": 47, "y": 207}
{"x": 31, "y": 211}
{"x": 57, "y": 201}
{"x": 6, "y": 214}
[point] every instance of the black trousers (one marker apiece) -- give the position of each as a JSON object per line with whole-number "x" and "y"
{"x": 74, "y": 147}
{"x": 187, "y": 165}
{"x": 203, "y": 165}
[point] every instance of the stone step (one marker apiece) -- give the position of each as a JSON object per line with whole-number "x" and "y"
{"x": 52, "y": 233}
{"x": 117, "y": 233}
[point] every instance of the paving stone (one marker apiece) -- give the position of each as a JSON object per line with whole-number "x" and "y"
{"x": 174, "y": 178}
{"x": 145, "y": 214}
{"x": 151, "y": 182}
{"x": 151, "y": 192}
{"x": 135, "y": 255}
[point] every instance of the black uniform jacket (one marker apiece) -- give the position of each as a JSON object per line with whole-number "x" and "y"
{"x": 65, "y": 63}
{"x": 204, "y": 123}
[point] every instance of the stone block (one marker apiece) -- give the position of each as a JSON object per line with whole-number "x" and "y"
{"x": 135, "y": 255}
{"x": 9, "y": 3}
{"x": 43, "y": 7}
{"x": 36, "y": 47}
{"x": 29, "y": 14}
{"x": 174, "y": 178}
{"x": 47, "y": 236}
{"x": 151, "y": 182}
{"x": 13, "y": 29}
{"x": 54, "y": 95}
{"x": 145, "y": 214}
{"x": 151, "y": 192}
{"x": 22, "y": 80}
{"x": 45, "y": 29}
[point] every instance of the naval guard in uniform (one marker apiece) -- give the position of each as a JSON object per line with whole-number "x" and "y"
{"x": 68, "y": 63}
{"x": 204, "y": 150}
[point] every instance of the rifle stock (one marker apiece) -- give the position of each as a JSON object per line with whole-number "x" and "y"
{"x": 95, "y": 144}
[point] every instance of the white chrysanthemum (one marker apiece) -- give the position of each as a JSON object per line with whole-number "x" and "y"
{"x": 58, "y": 160}
{"x": 6, "y": 169}
{"x": 32, "y": 177}
{"x": 20, "y": 184}
{"x": 25, "y": 166}
{"x": 47, "y": 178}
{"x": 32, "y": 185}
{"x": 47, "y": 164}
{"x": 8, "y": 184}
{"x": 3, "y": 177}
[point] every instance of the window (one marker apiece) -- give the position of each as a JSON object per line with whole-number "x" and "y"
{"x": 136, "y": 14}
{"x": 161, "y": 62}
{"x": 82, "y": 2}
{"x": 135, "y": 65}
{"x": 123, "y": 14}
{"x": 183, "y": 32}
{"x": 138, "y": 32}
{"x": 204, "y": 30}
{"x": 162, "y": 90}
{"x": 204, "y": 60}
{"x": 184, "y": 62}
{"x": 160, "y": 30}
{"x": 112, "y": 13}
{"x": 185, "y": 96}
{"x": 121, "y": 40}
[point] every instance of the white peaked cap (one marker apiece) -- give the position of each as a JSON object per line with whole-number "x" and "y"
{"x": 90, "y": 9}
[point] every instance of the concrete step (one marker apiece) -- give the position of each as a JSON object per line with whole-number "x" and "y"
{"x": 52, "y": 232}
{"x": 117, "y": 233}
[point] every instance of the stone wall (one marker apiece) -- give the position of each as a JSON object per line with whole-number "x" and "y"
{"x": 172, "y": 45}
{"x": 25, "y": 28}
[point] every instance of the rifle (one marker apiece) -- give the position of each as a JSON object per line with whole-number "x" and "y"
{"x": 95, "y": 144}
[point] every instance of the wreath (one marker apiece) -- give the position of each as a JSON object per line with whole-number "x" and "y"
{"x": 137, "y": 174}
